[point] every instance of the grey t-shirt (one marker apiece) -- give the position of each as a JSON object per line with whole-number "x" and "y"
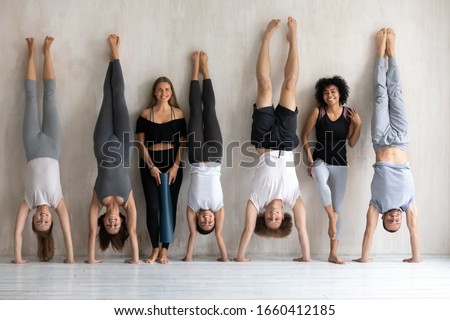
{"x": 392, "y": 186}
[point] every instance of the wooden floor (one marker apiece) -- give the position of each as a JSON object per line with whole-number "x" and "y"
{"x": 264, "y": 278}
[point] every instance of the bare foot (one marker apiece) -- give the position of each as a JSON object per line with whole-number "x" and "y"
{"x": 162, "y": 258}
{"x": 390, "y": 43}
{"x": 271, "y": 27}
{"x": 335, "y": 259}
{"x": 362, "y": 260}
{"x": 153, "y": 256}
{"x": 332, "y": 226}
{"x": 47, "y": 44}
{"x": 204, "y": 65}
{"x": 381, "y": 42}
{"x": 292, "y": 26}
{"x": 302, "y": 259}
{"x": 221, "y": 259}
{"x": 245, "y": 259}
{"x": 195, "y": 65}
{"x": 114, "y": 43}
{"x": 31, "y": 46}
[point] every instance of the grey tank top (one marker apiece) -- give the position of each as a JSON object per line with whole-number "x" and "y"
{"x": 112, "y": 181}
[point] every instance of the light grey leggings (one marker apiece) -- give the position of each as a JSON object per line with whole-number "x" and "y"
{"x": 389, "y": 123}
{"x": 330, "y": 183}
{"x": 39, "y": 142}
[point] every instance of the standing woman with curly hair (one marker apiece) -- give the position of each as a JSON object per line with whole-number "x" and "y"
{"x": 335, "y": 125}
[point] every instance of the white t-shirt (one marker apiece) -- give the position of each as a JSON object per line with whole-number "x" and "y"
{"x": 275, "y": 178}
{"x": 205, "y": 189}
{"x": 43, "y": 185}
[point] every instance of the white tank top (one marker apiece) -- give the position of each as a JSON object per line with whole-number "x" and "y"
{"x": 205, "y": 189}
{"x": 43, "y": 185}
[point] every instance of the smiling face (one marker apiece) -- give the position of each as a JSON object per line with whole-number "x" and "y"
{"x": 392, "y": 220}
{"x": 42, "y": 219}
{"x": 112, "y": 221}
{"x": 206, "y": 220}
{"x": 163, "y": 92}
{"x": 331, "y": 95}
{"x": 274, "y": 215}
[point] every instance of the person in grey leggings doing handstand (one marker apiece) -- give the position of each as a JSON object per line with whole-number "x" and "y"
{"x": 43, "y": 148}
{"x": 392, "y": 184}
{"x": 112, "y": 142}
{"x": 205, "y": 210}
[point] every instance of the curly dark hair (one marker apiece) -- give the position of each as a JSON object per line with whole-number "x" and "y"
{"x": 117, "y": 240}
{"x": 337, "y": 81}
{"x": 283, "y": 231}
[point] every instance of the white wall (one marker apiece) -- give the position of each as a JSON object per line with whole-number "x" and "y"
{"x": 158, "y": 36}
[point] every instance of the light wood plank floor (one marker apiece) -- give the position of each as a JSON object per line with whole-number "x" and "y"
{"x": 263, "y": 278}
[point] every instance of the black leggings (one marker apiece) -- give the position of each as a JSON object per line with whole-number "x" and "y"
{"x": 163, "y": 160}
{"x": 204, "y": 136}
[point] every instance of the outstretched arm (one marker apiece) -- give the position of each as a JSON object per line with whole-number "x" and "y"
{"x": 64, "y": 221}
{"x": 250, "y": 221}
{"x": 94, "y": 209}
{"x": 300, "y": 224}
{"x": 411, "y": 222}
{"x": 220, "y": 218}
{"x": 306, "y": 131}
{"x": 18, "y": 229}
{"x": 371, "y": 225}
{"x": 130, "y": 208}
{"x": 192, "y": 224}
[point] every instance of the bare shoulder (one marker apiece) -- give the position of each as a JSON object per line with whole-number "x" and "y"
{"x": 178, "y": 113}
{"x": 315, "y": 111}
{"x": 145, "y": 113}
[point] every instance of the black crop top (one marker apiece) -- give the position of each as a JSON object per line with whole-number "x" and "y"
{"x": 169, "y": 132}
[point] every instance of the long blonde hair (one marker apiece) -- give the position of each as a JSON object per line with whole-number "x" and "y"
{"x": 173, "y": 99}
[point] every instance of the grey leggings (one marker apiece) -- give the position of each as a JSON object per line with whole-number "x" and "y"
{"x": 39, "y": 142}
{"x": 204, "y": 135}
{"x": 330, "y": 183}
{"x": 112, "y": 134}
{"x": 389, "y": 123}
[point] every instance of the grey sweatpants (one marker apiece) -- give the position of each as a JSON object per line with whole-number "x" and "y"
{"x": 41, "y": 142}
{"x": 389, "y": 123}
{"x": 330, "y": 183}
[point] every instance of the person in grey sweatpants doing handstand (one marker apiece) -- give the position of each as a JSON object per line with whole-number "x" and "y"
{"x": 43, "y": 148}
{"x": 392, "y": 184}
